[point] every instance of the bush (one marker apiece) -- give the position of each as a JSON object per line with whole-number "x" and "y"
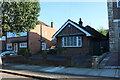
{"x": 52, "y": 51}
{"x": 44, "y": 52}
{"x": 24, "y": 52}
{"x": 56, "y": 51}
{"x": 61, "y": 49}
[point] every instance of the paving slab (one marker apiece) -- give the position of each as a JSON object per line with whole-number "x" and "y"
{"x": 82, "y": 71}
{"x": 108, "y": 73}
{"x": 76, "y": 71}
{"x": 51, "y": 69}
{"x": 29, "y": 67}
{"x": 64, "y": 70}
{"x": 117, "y": 73}
{"x": 95, "y": 72}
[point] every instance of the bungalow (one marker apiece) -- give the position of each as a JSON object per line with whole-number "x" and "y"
{"x": 35, "y": 40}
{"x": 79, "y": 40}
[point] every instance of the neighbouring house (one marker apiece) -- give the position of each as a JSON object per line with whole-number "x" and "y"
{"x": 35, "y": 40}
{"x": 2, "y": 44}
{"x": 79, "y": 40}
{"x": 114, "y": 25}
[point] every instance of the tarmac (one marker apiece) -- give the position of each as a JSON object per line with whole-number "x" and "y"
{"x": 59, "y": 72}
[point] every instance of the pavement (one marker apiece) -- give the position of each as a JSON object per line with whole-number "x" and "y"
{"x": 112, "y": 60}
{"x": 58, "y": 72}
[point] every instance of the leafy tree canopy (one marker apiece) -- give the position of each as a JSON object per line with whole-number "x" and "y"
{"x": 19, "y": 16}
{"x": 102, "y": 31}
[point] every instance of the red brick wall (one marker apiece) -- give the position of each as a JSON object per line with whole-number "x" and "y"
{"x": 16, "y": 38}
{"x": 34, "y": 37}
{"x": 72, "y": 51}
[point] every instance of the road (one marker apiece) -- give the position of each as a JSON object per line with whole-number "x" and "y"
{"x": 6, "y": 76}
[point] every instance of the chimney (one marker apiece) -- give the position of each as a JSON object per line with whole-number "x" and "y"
{"x": 52, "y": 24}
{"x": 80, "y": 22}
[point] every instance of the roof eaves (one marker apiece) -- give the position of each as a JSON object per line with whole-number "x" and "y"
{"x": 81, "y": 28}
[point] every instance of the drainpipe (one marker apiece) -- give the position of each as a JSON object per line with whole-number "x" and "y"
{"x": 28, "y": 40}
{"x": 41, "y": 37}
{"x": 6, "y": 41}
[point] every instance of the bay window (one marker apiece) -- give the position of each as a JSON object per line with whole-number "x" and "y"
{"x": 73, "y": 41}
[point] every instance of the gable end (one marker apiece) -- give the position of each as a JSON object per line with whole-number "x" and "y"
{"x": 69, "y": 22}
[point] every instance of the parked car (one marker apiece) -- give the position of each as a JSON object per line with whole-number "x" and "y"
{"x": 8, "y": 53}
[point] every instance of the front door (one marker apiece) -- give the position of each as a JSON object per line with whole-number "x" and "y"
{"x": 16, "y": 47}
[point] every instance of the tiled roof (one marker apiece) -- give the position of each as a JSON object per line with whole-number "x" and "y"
{"x": 44, "y": 23}
{"x": 91, "y": 30}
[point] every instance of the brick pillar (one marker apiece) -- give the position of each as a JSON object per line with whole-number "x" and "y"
{"x": 114, "y": 26}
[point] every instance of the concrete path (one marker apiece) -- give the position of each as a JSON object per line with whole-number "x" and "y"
{"x": 112, "y": 73}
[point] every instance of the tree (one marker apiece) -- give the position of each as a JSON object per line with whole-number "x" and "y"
{"x": 103, "y": 31}
{"x": 19, "y": 16}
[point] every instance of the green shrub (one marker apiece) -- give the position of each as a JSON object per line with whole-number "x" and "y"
{"x": 44, "y": 52}
{"x": 61, "y": 49}
{"x": 24, "y": 52}
{"x": 52, "y": 51}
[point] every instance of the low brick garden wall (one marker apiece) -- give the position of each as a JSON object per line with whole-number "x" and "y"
{"x": 33, "y": 61}
{"x": 67, "y": 61}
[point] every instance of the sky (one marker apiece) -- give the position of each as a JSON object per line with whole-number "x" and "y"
{"x": 92, "y": 13}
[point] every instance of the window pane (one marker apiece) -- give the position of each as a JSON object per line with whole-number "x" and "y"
{"x": 65, "y": 41}
{"x": 118, "y": 3}
{"x": 23, "y": 45}
{"x": 75, "y": 41}
{"x": 79, "y": 41}
{"x": 72, "y": 41}
{"x": 9, "y": 46}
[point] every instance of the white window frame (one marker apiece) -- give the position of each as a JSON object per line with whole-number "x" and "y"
{"x": 117, "y": 3}
{"x": 23, "y": 45}
{"x": 77, "y": 41}
{"x": 9, "y": 44}
{"x": 44, "y": 47}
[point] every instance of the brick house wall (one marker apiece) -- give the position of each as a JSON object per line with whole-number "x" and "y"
{"x": 14, "y": 40}
{"x": 33, "y": 38}
{"x": 74, "y": 50}
{"x": 90, "y": 45}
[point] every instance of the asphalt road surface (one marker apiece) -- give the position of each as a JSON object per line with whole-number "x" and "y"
{"x": 6, "y": 76}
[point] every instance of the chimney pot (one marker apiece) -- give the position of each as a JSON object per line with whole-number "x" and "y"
{"x": 80, "y": 22}
{"x": 52, "y": 24}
